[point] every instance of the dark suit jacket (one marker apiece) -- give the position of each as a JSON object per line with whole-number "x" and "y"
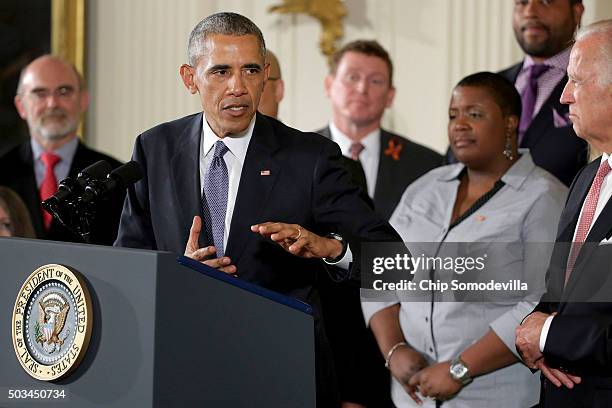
{"x": 8, "y": 142}
{"x": 395, "y": 175}
{"x": 555, "y": 149}
{"x": 362, "y": 376}
{"x": 17, "y": 173}
{"x": 306, "y": 185}
{"x": 579, "y": 337}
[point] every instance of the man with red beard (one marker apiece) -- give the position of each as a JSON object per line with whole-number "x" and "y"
{"x": 51, "y": 98}
{"x": 360, "y": 88}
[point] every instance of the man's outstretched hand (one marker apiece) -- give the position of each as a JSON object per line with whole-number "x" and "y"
{"x": 206, "y": 255}
{"x": 299, "y": 241}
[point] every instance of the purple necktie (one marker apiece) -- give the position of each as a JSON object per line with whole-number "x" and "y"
{"x": 529, "y": 97}
{"x": 214, "y": 198}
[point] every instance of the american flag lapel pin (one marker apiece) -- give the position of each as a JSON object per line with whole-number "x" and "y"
{"x": 264, "y": 173}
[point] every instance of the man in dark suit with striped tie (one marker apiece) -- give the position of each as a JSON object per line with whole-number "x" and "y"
{"x": 567, "y": 337}
{"x": 238, "y": 169}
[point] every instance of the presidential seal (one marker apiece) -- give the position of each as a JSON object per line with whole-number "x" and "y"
{"x": 52, "y": 322}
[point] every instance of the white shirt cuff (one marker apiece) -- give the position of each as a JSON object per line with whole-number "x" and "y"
{"x": 544, "y": 332}
{"x": 346, "y": 260}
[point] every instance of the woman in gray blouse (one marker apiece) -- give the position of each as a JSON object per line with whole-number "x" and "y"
{"x": 462, "y": 352}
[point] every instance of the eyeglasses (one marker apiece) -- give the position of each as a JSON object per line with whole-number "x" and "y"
{"x": 42, "y": 94}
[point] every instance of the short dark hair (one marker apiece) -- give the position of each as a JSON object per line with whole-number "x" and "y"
{"x": 225, "y": 24}
{"x": 21, "y": 224}
{"x": 366, "y": 47}
{"x": 501, "y": 90}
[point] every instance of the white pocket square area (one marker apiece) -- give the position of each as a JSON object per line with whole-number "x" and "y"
{"x": 560, "y": 120}
{"x": 606, "y": 241}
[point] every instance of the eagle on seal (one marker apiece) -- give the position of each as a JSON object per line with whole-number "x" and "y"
{"x": 52, "y": 322}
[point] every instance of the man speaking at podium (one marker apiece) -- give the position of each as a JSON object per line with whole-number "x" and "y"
{"x": 242, "y": 192}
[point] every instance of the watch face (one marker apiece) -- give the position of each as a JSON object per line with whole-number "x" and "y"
{"x": 458, "y": 370}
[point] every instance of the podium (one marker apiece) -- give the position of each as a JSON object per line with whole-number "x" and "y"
{"x": 167, "y": 332}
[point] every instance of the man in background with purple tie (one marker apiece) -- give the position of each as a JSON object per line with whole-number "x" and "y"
{"x": 544, "y": 29}
{"x": 567, "y": 337}
{"x": 51, "y": 97}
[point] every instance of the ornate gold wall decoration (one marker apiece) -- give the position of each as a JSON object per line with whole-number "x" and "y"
{"x": 329, "y": 13}
{"x": 68, "y": 36}
{"x": 68, "y": 31}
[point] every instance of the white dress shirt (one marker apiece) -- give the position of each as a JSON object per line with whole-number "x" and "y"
{"x": 234, "y": 160}
{"x": 369, "y": 157}
{"x": 604, "y": 195}
{"x": 238, "y": 145}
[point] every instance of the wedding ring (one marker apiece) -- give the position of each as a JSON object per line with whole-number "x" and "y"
{"x": 298, "y": 235}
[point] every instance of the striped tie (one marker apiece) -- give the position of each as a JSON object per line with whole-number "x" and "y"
{"x": 586, "y": 218}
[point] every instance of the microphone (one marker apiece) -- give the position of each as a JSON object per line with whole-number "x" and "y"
{"x": 118, "y": 179}
{"x": 69, "y": 186}
{"x": 97, "y": 170}
{"x": 76, "y": 203}
{"x": 60, "y": 205}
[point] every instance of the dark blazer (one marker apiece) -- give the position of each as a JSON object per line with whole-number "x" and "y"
{"x": 579, "y": 337}
{"x": 306, "y": 186}
{"x": 556, "y": 149}
{"x": 8, "y": 142}
{"x": 395, "y": 175}
{"x": 17, "y": 172}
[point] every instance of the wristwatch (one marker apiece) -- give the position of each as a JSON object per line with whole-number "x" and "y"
{"x": 459, "y": 371}
{"x": 337, "y": 259}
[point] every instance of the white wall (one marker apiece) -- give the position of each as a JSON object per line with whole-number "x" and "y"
{"x": 135, "y": 48}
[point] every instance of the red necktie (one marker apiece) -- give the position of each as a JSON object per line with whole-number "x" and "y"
{"x": 49, "y": 183}
{"x": 356, "y": 149}
{"x": 586, "y": 218}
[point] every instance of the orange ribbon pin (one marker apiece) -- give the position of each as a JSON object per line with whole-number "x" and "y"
{"x": 394, "y": 149}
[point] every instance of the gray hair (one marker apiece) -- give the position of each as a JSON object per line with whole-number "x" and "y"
{"x": 604, "y": 28}
{"x": 224, "y": 24}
